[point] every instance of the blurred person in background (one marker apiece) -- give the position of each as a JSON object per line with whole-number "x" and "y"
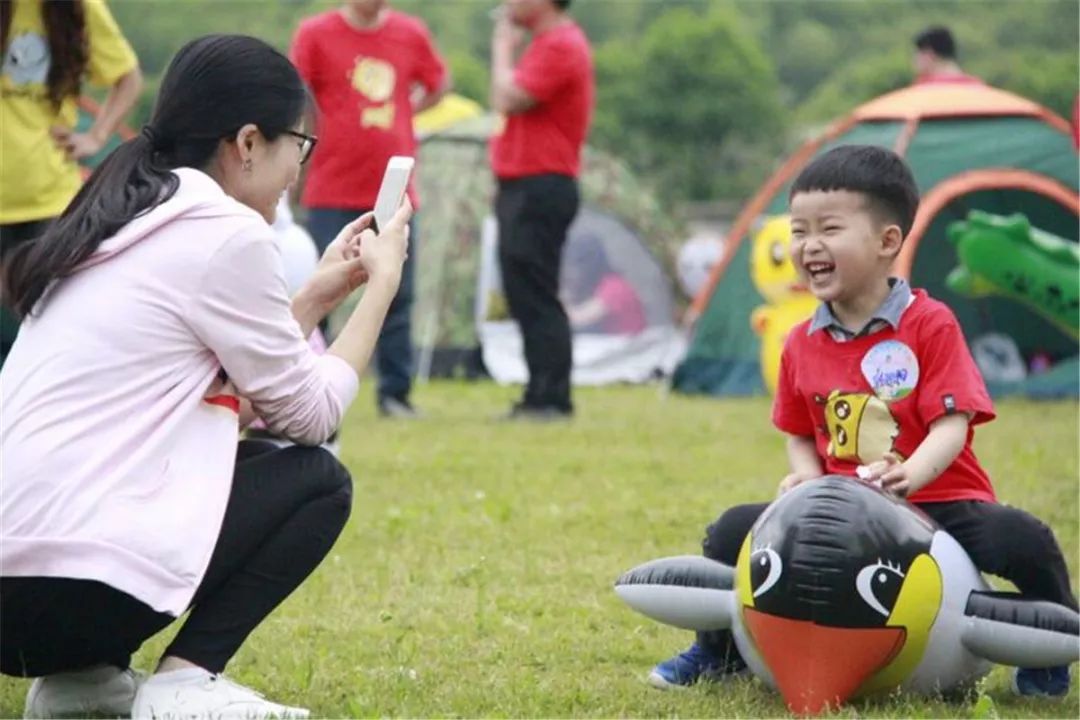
{"x": 547, "y": 98}
{"x": 935, "y": 59}
{"x": 370, "y": 69}
{"x": 597, "y": 298}
{"x": 49, "y": 50}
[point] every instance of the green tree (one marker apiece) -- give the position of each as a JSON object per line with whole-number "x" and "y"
{"x": 853, "y": 84}
{"x": 471, "y": 77}
{"x": 678, "y": 100}
{"x": 700, "y": 96}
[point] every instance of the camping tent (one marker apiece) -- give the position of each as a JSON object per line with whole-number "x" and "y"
{"x": 605, "y": 352}
{"x": 456, "y": 189}
{"x": 970, "y": 147}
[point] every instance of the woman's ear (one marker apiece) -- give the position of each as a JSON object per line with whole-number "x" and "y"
{"x": 246, "y": 139}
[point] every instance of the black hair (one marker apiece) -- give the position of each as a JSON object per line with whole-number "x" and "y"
{"x": 878, "y": 174}
{"x": 214, "y": 86}
{"x": 937, "y": 40}
{"x": 69, "y": 51}
{"x": 563, "y": 4}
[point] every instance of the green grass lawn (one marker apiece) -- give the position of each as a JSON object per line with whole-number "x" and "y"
{"x": 475, "y": 575}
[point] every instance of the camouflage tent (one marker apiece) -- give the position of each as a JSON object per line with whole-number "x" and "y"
{"x": 456, "y": 191}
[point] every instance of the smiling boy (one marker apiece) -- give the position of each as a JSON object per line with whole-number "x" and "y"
{"x": 880, "y": 365}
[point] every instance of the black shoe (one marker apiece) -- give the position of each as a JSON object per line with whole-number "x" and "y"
{"x": 538, "y": 413}
{"x": 397, "y": 409}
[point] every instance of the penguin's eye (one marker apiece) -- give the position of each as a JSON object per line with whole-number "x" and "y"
{"x": 765, "y": 569}
{"x": 843, "y": 409}
{"x": 878, "y": 585}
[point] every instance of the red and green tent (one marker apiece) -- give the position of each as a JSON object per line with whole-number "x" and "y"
{"x": 971, "y": 147}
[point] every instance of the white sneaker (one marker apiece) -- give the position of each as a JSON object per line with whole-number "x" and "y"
{"x": 103, "y": 690}
{"x": 197, "y": 694}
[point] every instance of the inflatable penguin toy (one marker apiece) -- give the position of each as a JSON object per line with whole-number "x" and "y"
{"x": 841, "y": 590}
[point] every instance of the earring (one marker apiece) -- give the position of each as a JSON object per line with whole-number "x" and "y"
{"x": 247, "y": 165}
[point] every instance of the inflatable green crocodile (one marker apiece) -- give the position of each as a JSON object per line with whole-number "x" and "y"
{"x": 1006, "y": 256}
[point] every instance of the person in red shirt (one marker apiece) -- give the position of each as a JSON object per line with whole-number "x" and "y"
{"x": 370, "y": 68}
{"x": 879, "y": 385}
{"x": 547, "y": 101}
{"x": 935, "y": 59}
{"x": 597, "y": 298}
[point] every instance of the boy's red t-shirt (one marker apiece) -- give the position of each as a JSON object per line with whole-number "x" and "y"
{"x": 880, "y": 392}
{"x": 557, "y": 70}
{"x": 362, "y": 80}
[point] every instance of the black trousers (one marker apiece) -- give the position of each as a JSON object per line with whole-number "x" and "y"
{"x": 11, "y": 236}
{"x": 534, "y": 214}
{"x": 286, "y": 509}
{"x": 14, "y": 234}
{"x": 1000, "y": 540}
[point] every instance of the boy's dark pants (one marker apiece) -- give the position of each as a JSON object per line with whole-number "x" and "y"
{"x": 1000, "y": 540}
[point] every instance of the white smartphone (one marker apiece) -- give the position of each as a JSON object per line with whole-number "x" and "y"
{"x": 392, "y": 191}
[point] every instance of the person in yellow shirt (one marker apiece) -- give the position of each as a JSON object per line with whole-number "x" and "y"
{"x": 49, "y": 50}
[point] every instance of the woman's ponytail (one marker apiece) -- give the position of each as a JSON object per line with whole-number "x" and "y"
{"x": 131, "y": 181}
{"x": 213, "y": 87}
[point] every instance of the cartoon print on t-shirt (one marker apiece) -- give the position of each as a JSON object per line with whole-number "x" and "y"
{"x": 860, "y": 426}
{"x": 375, "y": 80}
{"x": 27, "y": 60}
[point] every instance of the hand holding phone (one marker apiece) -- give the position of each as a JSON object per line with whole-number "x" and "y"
{"x": 384, "y": 254}
{"x": 395, "y": 182}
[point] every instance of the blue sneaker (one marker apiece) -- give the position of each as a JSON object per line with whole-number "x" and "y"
{"x": 685, "y": 669}
{"x": 1042, "y": 682}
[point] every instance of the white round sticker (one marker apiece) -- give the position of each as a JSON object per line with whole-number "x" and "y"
{"x": 892, "y": 370}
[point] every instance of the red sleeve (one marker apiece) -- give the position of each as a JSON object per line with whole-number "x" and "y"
{"x": 789, "y": 412}
{"x": 301, "y": 52}
{"x": 430, "y": 68}
{"x": 949, "y": 379}
{"x": 547, "y": 67}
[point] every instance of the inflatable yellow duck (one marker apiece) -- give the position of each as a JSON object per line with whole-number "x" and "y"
{"x": 776, "y": 279}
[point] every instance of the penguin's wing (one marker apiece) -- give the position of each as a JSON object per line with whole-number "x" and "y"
{"x": 1008, "y": 629}
{"x": 687, "y": 591}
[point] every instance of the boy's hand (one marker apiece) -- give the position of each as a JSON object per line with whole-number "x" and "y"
{"x": 791, "y": 480}
{"x": 891, "y": 474}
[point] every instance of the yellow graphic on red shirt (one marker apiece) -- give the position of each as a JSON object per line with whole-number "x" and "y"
{"x": 375, "y": 79}
{"x": 861, "y": 428}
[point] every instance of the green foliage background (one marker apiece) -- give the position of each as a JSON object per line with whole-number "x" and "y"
{"x": 700, "y": 96}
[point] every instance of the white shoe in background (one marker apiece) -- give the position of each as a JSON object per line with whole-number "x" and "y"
{"x": 103, "y": 690}
{"x": 196, "y": 693}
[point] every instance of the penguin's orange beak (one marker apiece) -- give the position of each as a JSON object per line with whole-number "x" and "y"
{"x": 815, "y": 666}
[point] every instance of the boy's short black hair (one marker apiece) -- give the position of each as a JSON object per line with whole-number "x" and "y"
{"x": 563, "y": 4}
{"x": 937, "y": 40}
{"x": 880, "y": 175}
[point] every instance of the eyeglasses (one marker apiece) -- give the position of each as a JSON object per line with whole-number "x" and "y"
{"x": 307, "y": 144}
